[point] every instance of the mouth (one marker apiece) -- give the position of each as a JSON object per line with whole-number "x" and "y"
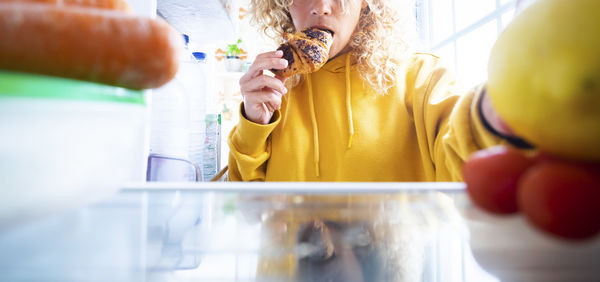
{"x": 325, "y": 30}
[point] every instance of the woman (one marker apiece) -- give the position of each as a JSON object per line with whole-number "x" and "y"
{"x": 374, "y": 112}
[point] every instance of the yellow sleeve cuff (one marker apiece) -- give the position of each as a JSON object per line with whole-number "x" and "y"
{"x": 251, "y": 138}
{"x": 482, "y": 136}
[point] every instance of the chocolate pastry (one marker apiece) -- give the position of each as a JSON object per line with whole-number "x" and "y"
{"x": 306, "y": 51}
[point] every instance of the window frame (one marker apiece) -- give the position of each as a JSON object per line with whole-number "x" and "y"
{"x": 425, "y": 23}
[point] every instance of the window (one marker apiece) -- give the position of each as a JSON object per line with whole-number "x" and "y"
{"x": 462, "y": 33}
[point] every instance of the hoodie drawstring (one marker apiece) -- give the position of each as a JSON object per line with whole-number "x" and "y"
{"x": 313, "y": 116}
{"x": 349, "y": 102}
{"x": 313, "y": 119}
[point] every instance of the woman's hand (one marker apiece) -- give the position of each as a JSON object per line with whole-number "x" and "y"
{"x": 262, "y": 93}
{"x": 498, "y": 125}
{"x": 492, "y": 117}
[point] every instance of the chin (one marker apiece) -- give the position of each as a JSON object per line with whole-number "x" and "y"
{"x": 334, "y": 53}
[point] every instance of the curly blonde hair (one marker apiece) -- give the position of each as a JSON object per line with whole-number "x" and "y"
{"x": 384, "y": 36}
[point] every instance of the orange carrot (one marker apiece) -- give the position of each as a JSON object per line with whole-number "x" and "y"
{"x": 89, "y": 44}
{"x": 119, "y": 5}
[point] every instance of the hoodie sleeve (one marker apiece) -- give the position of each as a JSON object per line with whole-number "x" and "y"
{"x": 250, "y": 148}
{"x": 448, "y": 123}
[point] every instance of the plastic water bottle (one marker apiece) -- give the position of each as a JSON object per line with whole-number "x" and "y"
{"x": 211, "y": 143}
{"x": 197, "y": 109}
{"x": 177, "y": 125}
{"x": 169, "y": 122}
{"x": 212, "y": 146}
{"x": 195, "y": 84}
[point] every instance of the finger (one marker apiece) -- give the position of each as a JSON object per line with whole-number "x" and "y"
{"x": 282, "y": 79}
{"x": 266, "y": 64}
{"x": 263, "y": 96}
{"x": 273, "y": 98}
{"x": 275, "y": 102}
{"x": 253, "y": 70}
{"x": 270, "y": 107}
{"x": 272, "y": 54}
{"x": 248, "y": 76}
{"x": 262, "y": 82}
{"x": 267, "y": 108}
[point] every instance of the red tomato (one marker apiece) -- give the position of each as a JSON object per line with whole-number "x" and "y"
{"x": 562, "y": 198}
{"x": 541, "y": 157}
{"x": 492, "y": 175}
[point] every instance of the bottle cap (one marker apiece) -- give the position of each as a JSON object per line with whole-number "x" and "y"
{"x": 199, "y": 55}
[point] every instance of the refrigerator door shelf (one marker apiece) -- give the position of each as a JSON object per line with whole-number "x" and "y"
{"x": 250, "y": 232}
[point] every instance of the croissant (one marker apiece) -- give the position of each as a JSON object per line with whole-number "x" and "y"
{"x": 306, "y": 51}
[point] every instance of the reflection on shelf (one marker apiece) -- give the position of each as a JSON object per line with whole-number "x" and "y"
{"x": 168, "y": 233}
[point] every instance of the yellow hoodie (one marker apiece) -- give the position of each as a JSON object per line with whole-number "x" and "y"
{"x": 333, "y": 127}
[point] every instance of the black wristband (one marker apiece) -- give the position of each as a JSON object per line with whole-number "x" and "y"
{"x": 513, "y": 140}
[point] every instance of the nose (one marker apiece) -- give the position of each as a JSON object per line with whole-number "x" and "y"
{"x": 321, "y": 7}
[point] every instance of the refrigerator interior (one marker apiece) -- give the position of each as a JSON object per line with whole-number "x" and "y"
{"x": 246, "y": 232}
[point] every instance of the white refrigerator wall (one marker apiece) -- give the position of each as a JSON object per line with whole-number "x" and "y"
{"x": 146, "y": 8}
{"x": 143, "y": 7}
